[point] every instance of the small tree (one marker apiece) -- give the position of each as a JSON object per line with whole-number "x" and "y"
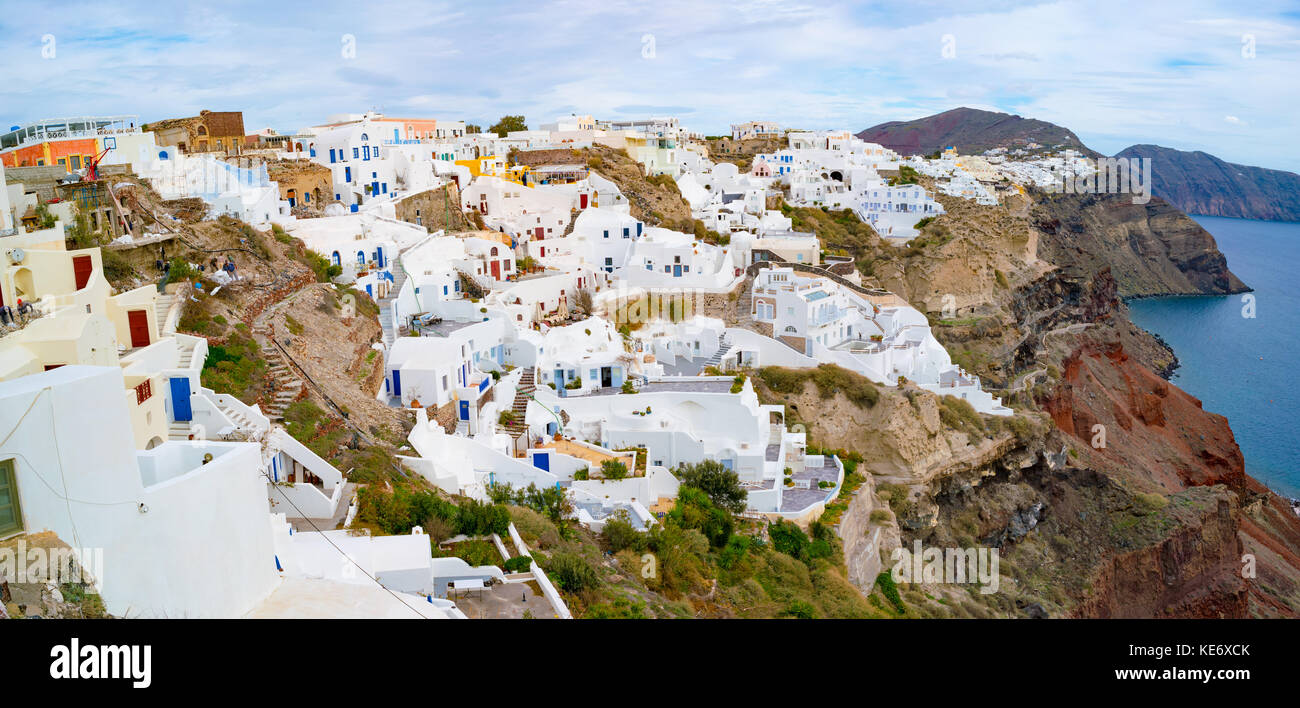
{"x": 613, "y": 469}
{"x": 720, "y": 484}
{"x": 619, "y": 534}
{"x": 508, "y": 124}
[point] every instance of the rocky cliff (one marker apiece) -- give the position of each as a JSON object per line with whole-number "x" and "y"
{"x": 1200, "y": 183}
{"x": 1150, "y": 249}
{"x": 1111, "y": 493}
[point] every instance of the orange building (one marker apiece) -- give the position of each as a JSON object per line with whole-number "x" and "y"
{"x": 68, "y": 142}
{"x": 72, "y": 154}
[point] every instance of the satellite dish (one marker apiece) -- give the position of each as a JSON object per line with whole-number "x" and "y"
{"x": 17, "y": 255}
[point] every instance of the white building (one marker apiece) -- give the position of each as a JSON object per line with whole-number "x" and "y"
{"x": 183, "y": 527}
{"x": 877, "y": 335}
{"x": 755, "y": 129}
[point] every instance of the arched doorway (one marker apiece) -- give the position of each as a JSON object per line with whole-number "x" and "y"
{"x": 24, "y": 286}
{"x": 155, "y": 441}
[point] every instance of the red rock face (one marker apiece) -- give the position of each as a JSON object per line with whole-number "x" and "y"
{"x": 1153, "y": 429}
{"x": 1159, "y": 438}
{"x": 1194, "y": 573}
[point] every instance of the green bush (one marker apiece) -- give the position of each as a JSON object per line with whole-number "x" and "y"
{"x": 885, "y": 582}
{"x": 829, "y": 380}
{"x": 960, "y": 414}
{"x": 800, "y": 610}
{"x": 474, "y": 518}
{"x": 789, "y": 539}
{"x": 478, "y": 552}
{"x": 613, "y": 469}
{"x": 619, "y": 534}
{"x": 570, "y": 572}
{"x": 397, "y": 512}
{"x": 519, "y": 564}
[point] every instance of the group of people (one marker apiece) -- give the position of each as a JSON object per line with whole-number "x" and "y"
{"x": 215, "y": 264}
{"x": 10, "y": 318}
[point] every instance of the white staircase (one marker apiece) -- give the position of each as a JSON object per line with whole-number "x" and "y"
{"x": 723, "y": 347}
{"x": 240, "y": 420}
{"x": 185, "y": 351}
{"x": 178, "y": 430}
{"x": 162, "y": 314}
{"x": 386, "y": 303}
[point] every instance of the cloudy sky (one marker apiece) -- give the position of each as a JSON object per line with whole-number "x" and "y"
{"x": 1223, "y": 77}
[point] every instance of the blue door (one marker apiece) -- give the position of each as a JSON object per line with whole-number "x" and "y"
{"x": 379, "y": 256}
{"x": 677, "y": 271}
{"x": 542, "y": 461}
{"x": 464, "y": 410}
{"x": 397, "y": 382}
{"x": 181, "y": 399}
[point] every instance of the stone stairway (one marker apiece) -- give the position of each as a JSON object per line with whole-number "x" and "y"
{"x": 723, "y": 347}
{"x": 162, "y": 308}
{"x": 523, "y": 391}
{"x": 184, "y": 353}
{"x": 744, "y": 312}
{"x": 386, "y": 303}
{"x": 287, "y": 384}
{"x": 178, "y": 430}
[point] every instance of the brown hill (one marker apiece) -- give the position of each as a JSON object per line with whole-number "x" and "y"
{"x": 969, "y": 130}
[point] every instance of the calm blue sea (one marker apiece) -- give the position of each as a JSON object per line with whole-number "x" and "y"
{"x": 1246, "y": 369}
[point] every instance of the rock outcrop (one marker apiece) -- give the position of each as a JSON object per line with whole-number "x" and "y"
{"x": 1150, "y": 249}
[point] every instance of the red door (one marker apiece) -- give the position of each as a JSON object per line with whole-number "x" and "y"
{"x": 539, "y": 233}
{"x": 139, "y": 324}
{"x": 496, "y": 270}
{"x": 81, "y": 267}
{"x": 582, "y": 201}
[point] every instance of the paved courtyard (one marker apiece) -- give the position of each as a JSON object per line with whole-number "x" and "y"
{"x": 504, "y": 601}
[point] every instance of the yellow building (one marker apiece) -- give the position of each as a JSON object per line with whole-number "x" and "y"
{"x": 493, "y": 166}
{"x": 75, "y": 318}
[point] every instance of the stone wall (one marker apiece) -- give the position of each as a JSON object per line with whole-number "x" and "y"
{"x": 434, "y": 209}
{"x": 861, "y": 538}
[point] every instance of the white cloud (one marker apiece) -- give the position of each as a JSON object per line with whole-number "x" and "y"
{"x": 1116, "y": 72}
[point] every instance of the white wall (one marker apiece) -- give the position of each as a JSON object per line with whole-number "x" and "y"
{"x": 200, "y": 545}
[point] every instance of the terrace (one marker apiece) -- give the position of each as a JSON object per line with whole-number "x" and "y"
{"x": 807, "y": 489}
{"x": 61, "y": 128}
